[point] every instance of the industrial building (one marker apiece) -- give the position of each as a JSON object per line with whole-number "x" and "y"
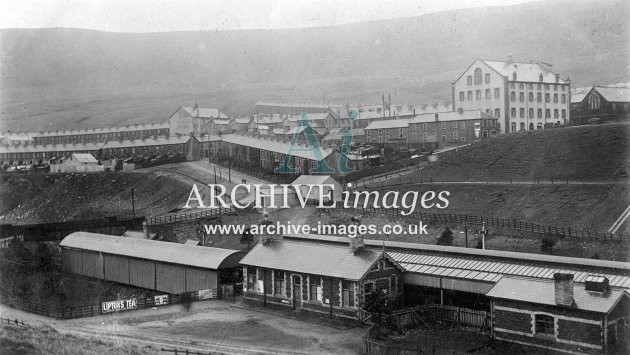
{"x": 161, "y": 266}
{"x": 523, "y": 96}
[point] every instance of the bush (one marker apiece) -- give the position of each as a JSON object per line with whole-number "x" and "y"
{"x": 446, "y": 238}
{"x": 547, "y": 245}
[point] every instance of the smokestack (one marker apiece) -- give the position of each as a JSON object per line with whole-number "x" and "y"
{"x": 563, "y": 289}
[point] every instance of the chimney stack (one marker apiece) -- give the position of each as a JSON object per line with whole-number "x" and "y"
{"x": 563, "y": 288}
{"x": 357, "y": 242}
{"x": 436, "y": 116}
{"x": 510, "y": 58}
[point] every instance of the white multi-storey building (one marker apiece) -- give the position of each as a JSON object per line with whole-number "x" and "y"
{"x": 523, "y": 96}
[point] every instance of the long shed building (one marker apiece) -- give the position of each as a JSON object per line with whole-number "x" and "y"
{"x": 166, "y": 267}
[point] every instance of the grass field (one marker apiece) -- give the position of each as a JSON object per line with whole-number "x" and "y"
{"x": 583, "y": 153}
{"x": 47, "y": 340}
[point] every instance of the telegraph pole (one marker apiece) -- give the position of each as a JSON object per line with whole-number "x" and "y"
{"x": 483, "y": 235}
{"x": 133, "y": 205}
{"x": 466, "y": 233}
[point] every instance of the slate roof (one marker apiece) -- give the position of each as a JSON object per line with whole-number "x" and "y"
{"x": 312, "y": 258}
{"x": 436, "y": 258}
{"x": 84, "y": 158}
{"x": 269, "y": 143}
{"x": 243, "y": 119}
{"x": 311, "y": 117}
{"x": 452, "y": 116}
{"x": 575, "y": 98}
{"x": 136, "y": 127}
{"x": 528, "y": 72}
{"x": 614, "y": 94}
{"x": 175, "y": 253}
{"x": 146, "y": 142}
{"x": 51, "y": 148}
{"x": 18, "y": 136}
{"x": 268, "y": 119}
{"x": 543, "y": 292}
{"x": 384, "y": 124}
{"x": 332, "y": 133}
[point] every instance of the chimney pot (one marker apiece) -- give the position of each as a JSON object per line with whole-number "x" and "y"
{"x": 563, "y": 288}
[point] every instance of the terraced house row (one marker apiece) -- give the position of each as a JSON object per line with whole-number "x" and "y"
{"x": 444, "y": 128}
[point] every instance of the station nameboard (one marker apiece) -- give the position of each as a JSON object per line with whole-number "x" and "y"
{"x": 119, "y": 305}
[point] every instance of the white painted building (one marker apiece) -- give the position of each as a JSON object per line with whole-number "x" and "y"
{"x": 523, "y": 96}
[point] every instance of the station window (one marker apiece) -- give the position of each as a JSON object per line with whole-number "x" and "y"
{"x": 348, "y": 293}
{"x": 278, "y": 282}
{"x": 545, "y": 324}
{"x": 315, "y": 288}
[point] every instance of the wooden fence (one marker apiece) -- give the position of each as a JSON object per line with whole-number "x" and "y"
{"x": 58, "y": 230}
{"x": 82, "y": 310}
{"x": 467, "y": 316}
{"x": 183, "y": 352}
{"x": 432, "y": 312}
{"x": 514, "y": 224}
{"x": 188, "y": 216}
{"x": 376, "y": 347}
{"x": 5, "y": 242}
{"x": 13, "y": 322}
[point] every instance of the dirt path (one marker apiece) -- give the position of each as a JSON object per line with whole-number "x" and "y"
{"x": 213, "y": 326}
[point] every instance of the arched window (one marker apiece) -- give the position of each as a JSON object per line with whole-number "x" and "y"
{"x": 477, "y": 76}
{"x": 593, "y": 102}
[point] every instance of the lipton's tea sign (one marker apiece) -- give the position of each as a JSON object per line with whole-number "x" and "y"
{"x": 119, "y": 305}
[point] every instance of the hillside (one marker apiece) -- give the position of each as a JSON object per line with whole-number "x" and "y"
{"x": 584, "y": 153}
{"x": 67, "y": 78}
{"x": 36, "y": 198}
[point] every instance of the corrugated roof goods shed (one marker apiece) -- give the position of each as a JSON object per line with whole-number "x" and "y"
{"x": 167, "y": 267}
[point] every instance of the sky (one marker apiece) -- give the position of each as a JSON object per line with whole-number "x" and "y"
{"x": 192, "y": 15}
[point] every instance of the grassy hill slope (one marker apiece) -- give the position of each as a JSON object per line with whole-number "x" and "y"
{"x": 64, "y": 78}
{"x": 585, "y": 153}
{"x": 37, "y": 198}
